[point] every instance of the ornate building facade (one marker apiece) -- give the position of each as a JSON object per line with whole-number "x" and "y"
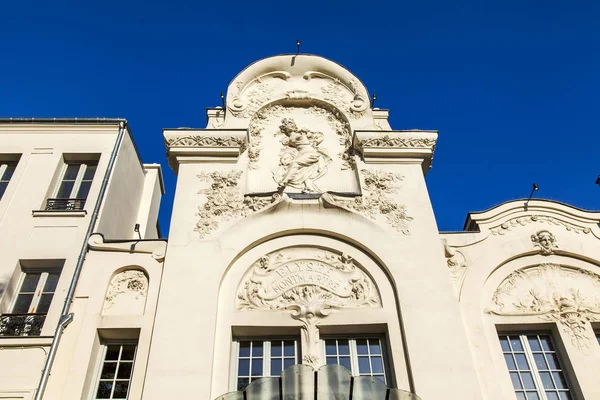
{"x": 304, "y": 261}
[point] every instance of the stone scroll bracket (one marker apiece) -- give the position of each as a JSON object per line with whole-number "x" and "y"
{"x": 309, "y": 283}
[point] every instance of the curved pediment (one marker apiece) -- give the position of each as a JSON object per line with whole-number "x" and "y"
{"x": 292, "y": 78}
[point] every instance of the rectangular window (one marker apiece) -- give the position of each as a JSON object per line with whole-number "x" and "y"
{"x": 534, "y": 367}
{"x": 259, "y": 358}
{"x": 363, "y": 356}
{"x": 74, "y": 186}
{"x": 7, "y": 170}
{"x": 116, "y": 370}
{"x": 36, "y": 292}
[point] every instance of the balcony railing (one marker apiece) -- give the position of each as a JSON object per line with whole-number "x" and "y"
{"x": 65, "y": 204}
{"x": 330, "y": 382}
{"x": 21, "y": 324}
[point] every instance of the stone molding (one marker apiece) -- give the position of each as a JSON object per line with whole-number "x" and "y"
{"x": 552, "y": 292}
{"x": 508, "y": 225}
{"x": 157, "y": 248}
{"x": 378, "y": 199}
{"x": 310, "y": 283}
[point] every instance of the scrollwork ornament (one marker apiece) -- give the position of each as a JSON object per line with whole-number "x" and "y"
{"x": 224, "y": 201}
{"x": 554, "y": 293}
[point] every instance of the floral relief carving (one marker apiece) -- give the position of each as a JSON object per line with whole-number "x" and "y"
{"x": 205, "y": 141}
{"x": 129, "y": 281}
{"x": 378, "y": 199}
{"x": 301, "y": 160}
{"x": 554, "y": 293}
{"x": 224, "y": 201}
{"x": 388, "y": 141}
{"x": 528, "y": 219}
{"x": 348, "y": 99}
{"x": 310, "y": 283}
{"x": 246, "y": 103}
{"x": 546, "y": 242}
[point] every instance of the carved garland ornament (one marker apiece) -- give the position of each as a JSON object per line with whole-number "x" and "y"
{"x": 126, "y": 281}
{"x": 224, "y": 201}
{"x": 205, "y": 141}
{"x": 555, "y": 293}
{"x": 387, "y": 141}
{"x": 522, "y": 221}
{"x": 310, "y": 283}
{"x": 377, "y": 199}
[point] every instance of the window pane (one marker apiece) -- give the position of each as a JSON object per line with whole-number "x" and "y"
{"x": 510, "y": 362}
{"x": 540, "y": 361}
{"x": 124, "y": 370}
{"x": 532, "y": 396}
{"x": 128, "y": 352}
{"x": 559, "y": 380}
{"x": 363, "y": 365}
{"x": 521, "y": 361}
{"x": 71, "y": 172}
{"x": 242, "y": 383}
{"x": 104, "y": 390}
{"x": 377, "y": 364}
{"x": 257, "y": 367}
{"x": 521, "y": 396}
{"x": 546, "y": 344}
{"x": 30, "y": 283}
{"x": 361, "y": 346}
{"x": 514, "y": 377}
{"x": 565, "y": 396}
{"x": 112, "y": 352}
{"x": 345, "y": 362}
{"x": 276, "y": 367}
{"x": 289, "y": 348}
{"x": 515, "y": 343}
{"x": 276, "y": 348}
{"x": 245, "y": 349}
{"x": 44, "y": 303}
{"x": 244, "y": 367}
{"x": 121, "y": 388}
{"x": 257, "y": 349}
{"x": 65, "y": 189}
{"x": 3, "y": 186}
{"x": 343, "y": 347}
{"x": 22, "y": 304}
{"x": 534, "y": 343}
{"x": 84, "y": 189}
{"x": 108, "y": 370}
{"x": 330, "y": 348}
{"x": 374, "y": 346}
{"x": 89, "y": 172}
{"x": 51, "y": 282}
{"x": 332, "y": 360}
{"x": 552, "y": 361}
{"x": 527, "y": 379}
{"x": 504, "y": 344}
{"x": 546, "y": 380}
{"x": 8, "y": 172}
{"x": 552, "y": 396}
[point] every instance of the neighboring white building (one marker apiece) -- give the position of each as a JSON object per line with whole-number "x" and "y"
{"x": 302, "y": 233}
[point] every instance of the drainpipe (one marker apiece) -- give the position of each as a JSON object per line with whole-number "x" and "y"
{"x": 66, "y": 318}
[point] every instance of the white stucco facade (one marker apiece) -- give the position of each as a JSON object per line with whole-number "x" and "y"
{"x": 300, "y": 216}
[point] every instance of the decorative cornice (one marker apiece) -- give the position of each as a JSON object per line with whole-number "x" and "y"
{"x": 205, "y": 141}
{"x": 157, "y": 248}
{"x": 534, "y": 218}
{"x": 402, "y": 142}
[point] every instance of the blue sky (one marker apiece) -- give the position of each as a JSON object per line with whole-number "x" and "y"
{"x": 512, "y": 86}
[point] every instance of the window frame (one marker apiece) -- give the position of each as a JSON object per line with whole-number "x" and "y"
{"x": 266, "y": 340}
{"x": 533, "y": 368}
{"x": 83, "y": 166}
{"x": 39, "y": 289}
{"x": 354, "y": 353}
{"x": 100, "y": 365}
{"x": 4, "y": 164}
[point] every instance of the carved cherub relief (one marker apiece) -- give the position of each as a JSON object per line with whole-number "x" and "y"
{"x": 546, "y": 241}
{"x": 301, "y": 160}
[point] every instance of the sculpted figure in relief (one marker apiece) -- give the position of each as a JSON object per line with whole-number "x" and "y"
{"x": 301, "y": 160}
{"x": 546, "y": 241}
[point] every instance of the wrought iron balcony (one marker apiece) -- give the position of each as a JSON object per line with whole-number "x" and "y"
{"x": 21, "y": 324}
{"x": 65, "y": 204}
{"x": 330, "y": 382}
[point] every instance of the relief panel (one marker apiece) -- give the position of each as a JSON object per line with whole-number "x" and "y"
{"x": 126, "y": 293}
